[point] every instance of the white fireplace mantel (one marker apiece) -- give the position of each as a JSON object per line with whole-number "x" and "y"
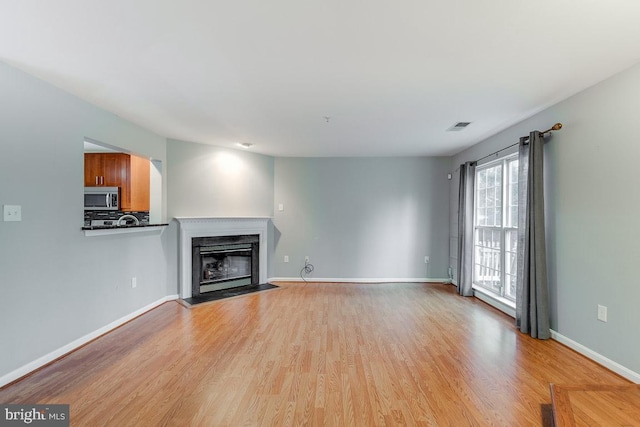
{"x": 218, "y": 226}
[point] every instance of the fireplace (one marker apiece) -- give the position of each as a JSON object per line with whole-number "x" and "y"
{"x": 222, "y": 228}
{"x": 224, "y": 262}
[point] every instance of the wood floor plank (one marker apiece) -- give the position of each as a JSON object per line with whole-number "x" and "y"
{"x": 315, "y": 354}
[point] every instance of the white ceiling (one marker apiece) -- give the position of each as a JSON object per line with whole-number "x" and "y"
{"x": 391, "y": 75}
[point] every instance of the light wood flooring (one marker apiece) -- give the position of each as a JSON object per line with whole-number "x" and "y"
{"x": 315, "y": 354}
{"x": 596, "y": 405}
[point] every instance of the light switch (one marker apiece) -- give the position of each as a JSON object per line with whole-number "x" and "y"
{"x": 281, "y": 207}
{"x": 602, "y": 313}
{"x": 12, "y": 213}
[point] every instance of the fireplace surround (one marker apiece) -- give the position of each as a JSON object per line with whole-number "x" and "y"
{"x": 216, "y": 227}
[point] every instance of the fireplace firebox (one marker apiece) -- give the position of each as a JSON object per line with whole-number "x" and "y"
{"x": 224, "y": 262}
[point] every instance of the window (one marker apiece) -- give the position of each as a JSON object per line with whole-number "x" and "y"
{"x": 496, "y": 227}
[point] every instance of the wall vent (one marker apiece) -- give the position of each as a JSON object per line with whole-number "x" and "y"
{"x": 458, "y": 126}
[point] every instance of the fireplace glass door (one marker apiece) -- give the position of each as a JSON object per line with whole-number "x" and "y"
{"x": 225, "y": 266}
{"x": 224, "y": 262}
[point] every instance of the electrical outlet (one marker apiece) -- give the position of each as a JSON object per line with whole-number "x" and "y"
{"x": 134, "y": 282}
{"x": 286, "y": 258}
{"x": 602, "y": 313}
{"x": 426, "y": 259}
{"x": 306, "y": 259}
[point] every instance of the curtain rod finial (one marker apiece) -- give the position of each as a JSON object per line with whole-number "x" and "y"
{"x": 557, "y": 126}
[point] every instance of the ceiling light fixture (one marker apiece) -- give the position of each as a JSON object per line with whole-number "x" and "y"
{"x": 245, "y": 145}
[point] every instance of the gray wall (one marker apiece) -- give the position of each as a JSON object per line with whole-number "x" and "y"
{"x": 592, "y": 207}
{"x": 58, "y": 285}
{"x": 359, "y": 218}
{"x": 355, "y": 217}
{"x": 205, "y": 180}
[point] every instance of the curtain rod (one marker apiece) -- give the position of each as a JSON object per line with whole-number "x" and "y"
{"x": 557, "y": 126}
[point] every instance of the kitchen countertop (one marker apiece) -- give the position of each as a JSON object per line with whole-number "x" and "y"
{"x": 113, "y": 227}
{"x": 101, "y": 230}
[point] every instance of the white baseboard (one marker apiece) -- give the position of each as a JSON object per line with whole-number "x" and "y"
{"x": 48, "y": 358}
{"x": 359, "y": 280}
{"x": 597, "y": 357}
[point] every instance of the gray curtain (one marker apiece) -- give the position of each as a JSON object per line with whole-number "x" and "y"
{"x": 532, "y": 300}
{"x": 465, "y": 228}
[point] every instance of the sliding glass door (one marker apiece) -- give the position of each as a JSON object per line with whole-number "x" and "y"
{"x": 495, "y": 231}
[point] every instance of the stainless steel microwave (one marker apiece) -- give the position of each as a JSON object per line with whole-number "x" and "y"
{"x": 101, "y": 198}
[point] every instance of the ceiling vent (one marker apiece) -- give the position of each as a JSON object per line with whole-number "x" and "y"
{"x": 458, "y": 126}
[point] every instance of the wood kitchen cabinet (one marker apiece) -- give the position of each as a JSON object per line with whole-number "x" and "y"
{"x": 139, "y": 183}
{"x": 105, "y": 169}
{"x": 129, "y": 172}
